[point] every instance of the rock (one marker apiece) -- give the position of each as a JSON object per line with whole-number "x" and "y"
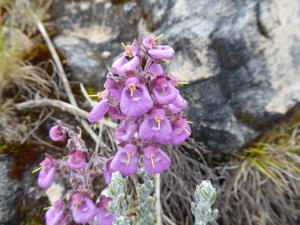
{"x": 10, "y": 195}
{"x": 241, "y": 57}
{"x": 91, "y": 33}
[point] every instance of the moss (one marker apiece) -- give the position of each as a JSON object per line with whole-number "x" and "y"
{"x": 30, "y": 222}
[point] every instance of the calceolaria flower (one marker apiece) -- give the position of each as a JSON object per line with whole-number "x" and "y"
{"x": 47, "y": 173}
{"x": 56, "y": 214}
{"x": 155, "y": 160}
{"x": 126, "y": 160}
{"x": 83, "y": 209}
{"x": 57, "y": 133}
{"x": 104, "y": 217}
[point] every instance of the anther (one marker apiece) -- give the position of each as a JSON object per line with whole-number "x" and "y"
{"x": 132, "y": 88}
{"x": 38, "y": 169}
{"x": 186, "y": 131}
{"x": 152, "y": 162}
{"x": 129, "y": 158}
{"x": 158, "y": 122}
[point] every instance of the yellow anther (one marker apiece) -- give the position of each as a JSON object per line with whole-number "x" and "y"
{"x": 152, "y": 162}
{"x": 186, "y": 131}
{"x": 47, "y": 208}
{"x": 132, "y": 88}
{"x": 165, "y": 60}
{"x": 158, "y": 37}
{"x": 38, "y": 169}
{"x": 123, "y": 45}
{"x": 128, "y": 50}
{"x": 129, "y": 158}
{"x": 188, "y": 121}
{"x": 182, "y": 82}
{"x": 158, "y": 122}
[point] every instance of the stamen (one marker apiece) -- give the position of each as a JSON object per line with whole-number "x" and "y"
{"x": 165, "y": 60}
{"x": 129, "y": 158}
{"x": 98, "y": 95}
{"x": 123, "y": 45}
{"x": 152, "y": 162}
{"x": 182, "y": 82}
{"x": 158, "y": 37}
{"x": 47, "y": 208}
{"x": 127, "y": 50}
{"x": 38, "y": 169}
{"x": 186, "y": 131}
{"x": 188, "y": 121}
{"x": 158, "y": 122}
{"x": 132, "y": 88}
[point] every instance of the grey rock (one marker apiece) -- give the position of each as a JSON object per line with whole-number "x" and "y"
{"x": 91, "y": 33}
{"x": 242, "y": 57}
{"x": 10, "y": 195}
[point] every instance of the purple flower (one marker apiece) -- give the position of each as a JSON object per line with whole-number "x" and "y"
{"x": 57, "y": 133}
{"x": 113, "y": 88}
{"x": 155, "y": 69}
{"x": 98, "y": 111}
{"x": 56, "y": 214}
{"x": 162, "y": 52}
{"x": 114, "y": 112}
{"x": 178, "y": 104}
{"x": 156, "y": 128}
{"x": 125, "y": 160}
{"x": 148, "y": 42}
{"x": 155, "y": 160}
{"x": 103, "y": 216}
{"x": 163, "y": 92}
{"x": 135, "y": 98}
{"x": 107, "y": 171}
{"x": 126, "y": 130}
{"x": 129, "y": 60}
{"x": 181, "y": 131}
{"x": 77, "y": 159}
{"x": 124, "y": 64}
{"x": 83, "y": 209}
{"x": 47, "y": 173}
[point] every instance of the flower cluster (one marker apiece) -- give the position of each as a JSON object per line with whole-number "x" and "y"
{"x": 143, "y": 98}
{"x": 80, "y": 168}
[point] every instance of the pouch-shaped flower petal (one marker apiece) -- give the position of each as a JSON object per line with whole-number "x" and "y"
{"x": 57, "y": 133}
{"x": 155, "y": 69}
{"x": 181, "y": 131}
{"x": 104, "y": 217}
{"x": 164, "y": 93}
{"x": 56, "y": 215}
{"x": 155, "y": 160}
{"x": 98, "y": 111}
{"x": 135, "y": 98}
{"x": 178, "y": 104}
{"x": 126, "y": 130}
{"x": 162, "y": 52}
{"x": 125, "y": 161}
{"x": 46, "y": 174}
{"x": 77, "y": 160}
{"x": 83, "y": 209}
{"x": 156, "y": 128}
